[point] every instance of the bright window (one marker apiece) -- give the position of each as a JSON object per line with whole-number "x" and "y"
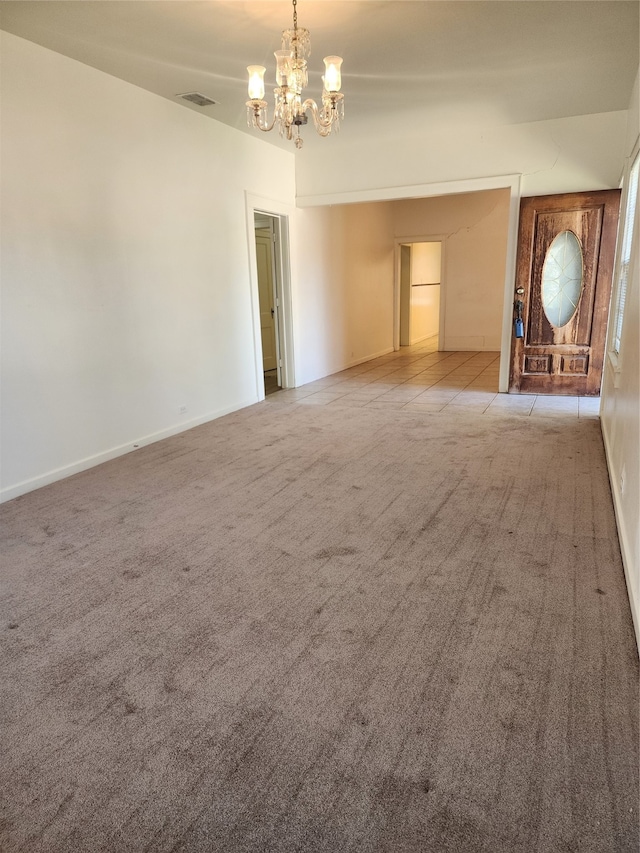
{"x": 625, "y": 253}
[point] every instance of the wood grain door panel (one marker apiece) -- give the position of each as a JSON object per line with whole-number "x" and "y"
{"x": 564, "y": 359}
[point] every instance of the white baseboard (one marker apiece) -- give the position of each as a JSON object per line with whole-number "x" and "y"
{"x": 10, "y": 492}
{"x": 623, "y": 536}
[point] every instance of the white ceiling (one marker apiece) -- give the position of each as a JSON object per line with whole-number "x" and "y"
{"x": 422, "y": 62}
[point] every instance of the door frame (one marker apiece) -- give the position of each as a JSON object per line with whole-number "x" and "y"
{"x": 281, "y": 214}
{"x": 398, "y": 243}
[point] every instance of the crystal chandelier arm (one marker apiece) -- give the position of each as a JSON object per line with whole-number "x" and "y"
{"x": 322, "y": 127}
{"x": 257, "y": 116}
{"x": 323, "y": 119}
{"x": 311, "y": 105}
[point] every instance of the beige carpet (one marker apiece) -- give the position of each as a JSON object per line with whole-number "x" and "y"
{"x": 322, "y": 629}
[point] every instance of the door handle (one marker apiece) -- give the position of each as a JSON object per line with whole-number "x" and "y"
{"x": 518, "y": 325}
{"x": 272, "y": 313}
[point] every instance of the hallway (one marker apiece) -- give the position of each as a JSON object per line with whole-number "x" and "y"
{"x": 421, "y": 379}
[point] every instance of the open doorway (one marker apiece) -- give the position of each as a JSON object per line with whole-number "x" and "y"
{"x": 271, "y": 290}
{"x": 477, "y": 221}
{"x": 420, "y": 283}
{"x": 271, "y": 217}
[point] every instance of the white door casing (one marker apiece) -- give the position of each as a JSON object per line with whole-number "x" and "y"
{"x": 280, "y": 213}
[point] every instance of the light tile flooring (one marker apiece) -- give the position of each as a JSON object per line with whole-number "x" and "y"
{"x": 421, "y": 379}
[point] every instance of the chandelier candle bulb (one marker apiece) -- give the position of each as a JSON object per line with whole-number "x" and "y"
{"x": 256, "y": 82}
{"x": 332, "y": 76}
{"x": 283, "y": 67}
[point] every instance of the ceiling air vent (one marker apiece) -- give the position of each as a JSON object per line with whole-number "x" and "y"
{"x": 197, "y": 98}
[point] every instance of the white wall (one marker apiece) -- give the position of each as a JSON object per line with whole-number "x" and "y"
{"x": 125, "y": 275}
{"x": 344, "y": 290}
{"x": 318, "y": 317}
{"x": 620, "y": 404}
{"x": 562, "y": 155}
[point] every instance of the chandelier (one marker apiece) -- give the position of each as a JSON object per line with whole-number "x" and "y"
{"x": 290, "y": 110}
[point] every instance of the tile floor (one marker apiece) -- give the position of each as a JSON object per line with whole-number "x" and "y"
{"x": 421, "y": 379}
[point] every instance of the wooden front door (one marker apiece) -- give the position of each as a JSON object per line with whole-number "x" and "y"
{"x": 566, "y": 248}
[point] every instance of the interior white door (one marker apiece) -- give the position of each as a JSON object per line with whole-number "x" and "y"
{"x": 264, "y": 258}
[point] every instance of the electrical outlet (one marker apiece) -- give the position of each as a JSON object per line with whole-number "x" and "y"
{"x": 623, "y": 477}
{"x": 183, "y": 410}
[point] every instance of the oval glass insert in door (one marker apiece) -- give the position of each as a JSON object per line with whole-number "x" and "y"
{"x": 562, "y": 278}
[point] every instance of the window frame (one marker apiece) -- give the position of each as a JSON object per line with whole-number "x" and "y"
{"x": 624, "y": 254}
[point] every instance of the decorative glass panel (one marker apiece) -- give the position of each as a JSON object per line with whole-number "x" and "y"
{"x": 562, "y": 279}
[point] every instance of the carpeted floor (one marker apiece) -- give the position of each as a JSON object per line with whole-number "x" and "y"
{"x": 322, "y": 629}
